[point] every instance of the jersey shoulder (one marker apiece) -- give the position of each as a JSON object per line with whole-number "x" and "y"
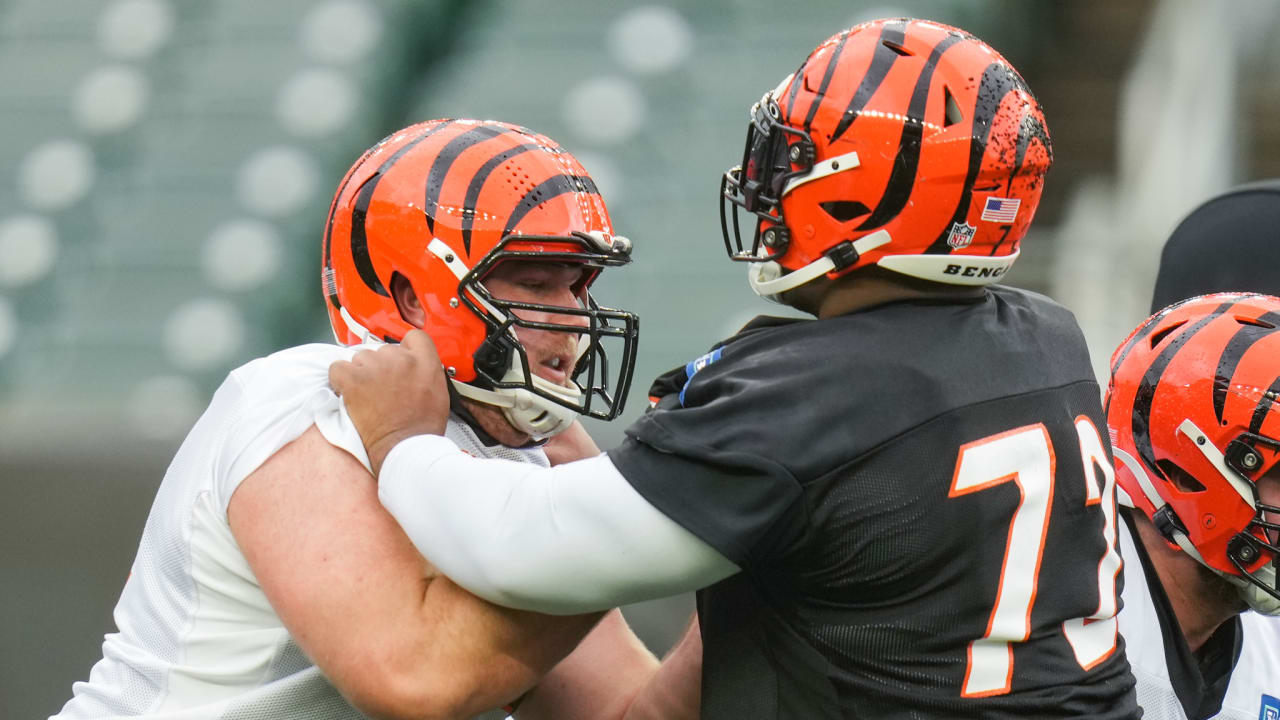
{"x": 268, "y": 402}
{"x": 875, "y": 374}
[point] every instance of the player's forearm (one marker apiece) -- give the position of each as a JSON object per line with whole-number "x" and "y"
{"x": 482, "y": 656}
{"x": 564, "y": 540}
{"x": 674, "y": 692}
{"x": 598, "y": 680}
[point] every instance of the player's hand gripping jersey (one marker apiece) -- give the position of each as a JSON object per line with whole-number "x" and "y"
{"x": 922, "y": 506}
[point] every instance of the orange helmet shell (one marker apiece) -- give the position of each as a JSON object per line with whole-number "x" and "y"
{"x": 942, "y": 146}
{"x": 1211, "y": 362}
{"x": 466, "y": 183}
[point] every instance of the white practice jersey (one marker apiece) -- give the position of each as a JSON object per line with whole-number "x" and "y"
{"x": 1253, "y": 692}
{"x": 197, "y": 637}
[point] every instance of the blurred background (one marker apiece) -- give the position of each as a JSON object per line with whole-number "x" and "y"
{"x": 166, "y": 165}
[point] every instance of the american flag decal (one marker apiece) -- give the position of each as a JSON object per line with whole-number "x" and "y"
{"x": 1000, "y": 210}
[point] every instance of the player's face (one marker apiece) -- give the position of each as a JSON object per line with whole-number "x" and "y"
{"x": 1269, "y": 494}
{"x": 552, "y": 354}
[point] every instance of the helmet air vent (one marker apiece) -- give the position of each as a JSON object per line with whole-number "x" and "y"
{"x": 1161, "y": 335}
{"x": 1179, "y": 477}
{"x": 896, "y": 48}
{"x": 1256, "y": 322}
{"x": 952, "y": 115}
{"x": 845, "y": 210}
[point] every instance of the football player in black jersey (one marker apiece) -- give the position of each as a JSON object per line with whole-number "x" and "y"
{"x": 902, "y": 508}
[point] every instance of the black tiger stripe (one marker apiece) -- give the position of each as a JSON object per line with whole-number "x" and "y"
{"x": 553, "y": 186}
{"x": 1031, "y": 128}
{"x": 881, "y": 62}
{"x": 326, "y": 263}
{"x": 1237, "y": 346}
{"x": 1264, "y": 407}
{"x": 477, "y": 184}
{"x": 1152, "y": 323}
{"x": 826, "y": 80}
{"x": 1146, "y": 390}
{"x": 797, "y": 79}
{"x": 359, "y": 239}
{"x": 445, "y": 159}
{"x": 998, "y": 80}
{"x": 903, "y": 177}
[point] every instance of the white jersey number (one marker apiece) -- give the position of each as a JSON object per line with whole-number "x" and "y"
{"x": 1025, "y": 457}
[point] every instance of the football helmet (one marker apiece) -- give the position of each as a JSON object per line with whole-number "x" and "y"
{"x": 1194, "y": 424}
{"x": 442, "y": 203}
{"x": 900, "y": 143}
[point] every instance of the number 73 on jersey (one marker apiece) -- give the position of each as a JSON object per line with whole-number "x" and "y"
{"x": 1025, "y": 456}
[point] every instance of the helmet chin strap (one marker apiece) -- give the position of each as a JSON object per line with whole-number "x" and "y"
{"x": 527, "y": 412}
{"x": 768, "y": 282}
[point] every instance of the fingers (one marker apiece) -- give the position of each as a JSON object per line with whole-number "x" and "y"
{"x": 344, "y": 373}
{"x": 340, "y": 375}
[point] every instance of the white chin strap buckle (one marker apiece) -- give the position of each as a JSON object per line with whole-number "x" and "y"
{"x": 767, "y": 280}
{"x": 530, "y": 413}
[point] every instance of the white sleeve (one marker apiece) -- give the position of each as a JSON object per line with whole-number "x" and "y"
{"x": 569, "y": 539}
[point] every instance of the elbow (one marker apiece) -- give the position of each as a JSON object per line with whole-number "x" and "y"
{"x": 419, "y": 698}
{"x": 391, "y": 691}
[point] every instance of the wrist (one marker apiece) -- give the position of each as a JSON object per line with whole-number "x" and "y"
{"x": 379, "y": 449}
{"x": 419, "y": 450}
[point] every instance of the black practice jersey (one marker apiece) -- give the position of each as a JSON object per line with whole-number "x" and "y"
{"x": 922, "y": 507}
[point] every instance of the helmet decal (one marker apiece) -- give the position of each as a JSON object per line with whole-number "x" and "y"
{"x": 888, "y": 50}
{"x": 997, "y": 82}
{"x": 359, "y": 240}
{"x": 444, "y": 160}
{"x": 903, "y": 179}
{"x": 477, "y": 184}
{"x": 1146, "y": 391}
{"x": 552, "y": 187}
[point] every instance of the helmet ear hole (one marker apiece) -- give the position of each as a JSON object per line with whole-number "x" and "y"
{"x": 1179, "y": 477}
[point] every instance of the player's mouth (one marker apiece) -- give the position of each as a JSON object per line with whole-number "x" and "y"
{"x": 555, "y": 368}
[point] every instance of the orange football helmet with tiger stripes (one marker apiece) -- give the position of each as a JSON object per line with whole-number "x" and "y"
{"x": 441, "y": 203}
{"x": 901, "y": 143}
{"x": 1194, "y": 424}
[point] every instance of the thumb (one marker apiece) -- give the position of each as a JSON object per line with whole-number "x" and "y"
{"x": 339, "y": 374}
{"x": 420, "y": 344}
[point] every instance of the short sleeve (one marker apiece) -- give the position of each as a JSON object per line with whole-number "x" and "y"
{"x": 275, "y": 400}
{"x": 747, "y": 508}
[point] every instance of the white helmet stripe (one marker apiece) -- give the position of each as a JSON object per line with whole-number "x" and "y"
{"x": 1214, "y": 456}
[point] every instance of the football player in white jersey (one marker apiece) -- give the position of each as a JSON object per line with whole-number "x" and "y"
{"x": 1196, "y": 434}
{"x": 270, "y": 582}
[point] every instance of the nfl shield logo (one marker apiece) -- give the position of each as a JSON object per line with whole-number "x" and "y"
{"x": 961, "y": 235}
